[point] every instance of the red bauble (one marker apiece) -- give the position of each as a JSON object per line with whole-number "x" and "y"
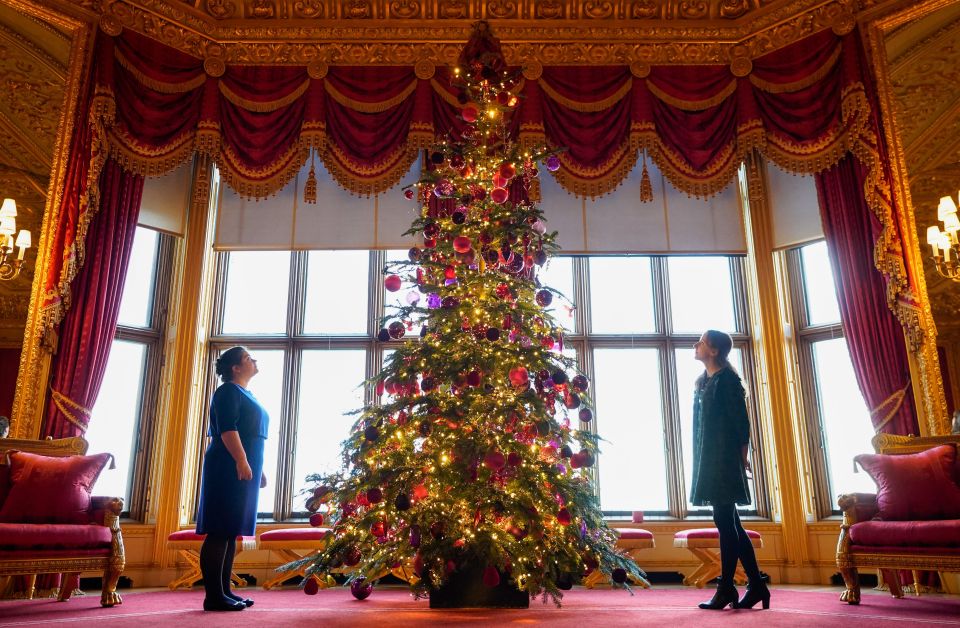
{"x": 316, "y": 520}
{"x": 311, "y": 586}
{"x": 514, "y": 459}
{"x": 351, "y": 557}
{"x": 507, "y": 171}
{"x": 519, "y": 376}
{"x": 500, "y": 182}
{"x": 499, "y": 195}
{"x": 491, "y": 577}
{"x": 563, "y": 517}
{"x": 420, "y": 491}
{"x": 378, "y": 529}
{"x": 408, "y": 193}
{"x": 462, "y": 244}
{"x": 450, "y": 272}
{"x": 396, "y": 330}
{"x": 375, "y": 496}
{"x": 360, "y": 588}
{"x": 392, "y": 283}
{"x": 494, "y": 460}
{"x": 503, "y": 291}
{"x": 580, "y": 383}
{"x": 470, "y": 113}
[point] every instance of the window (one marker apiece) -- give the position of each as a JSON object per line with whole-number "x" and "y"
{"x": 311, "y": 318}
{"x": 122, "y": 419}
{"x": 838, "y": 419}
{"x": 634, "y": 327}
{"x": 308, "y": 318}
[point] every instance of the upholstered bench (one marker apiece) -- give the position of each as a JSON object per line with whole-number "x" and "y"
{"x": 631, "y": 540}
{"x": 702, "y": 542}
{"x": 187, "y": 543}
{"x": 292, "y": 544}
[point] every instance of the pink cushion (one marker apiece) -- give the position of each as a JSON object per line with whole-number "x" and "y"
{"x": 40, "y": 554}
{"x": 903, "y": 552}
{"x": 191, "y": 535}
{"x": 935, "y": 533}
{"x": 45, "y": 489}
{"x": 634, "y": 534}
{"x": 708, "y": 533}
{"x": 24, "y": 536}
{"x": 295, "y": 534}
{"x": 917, "y": 486}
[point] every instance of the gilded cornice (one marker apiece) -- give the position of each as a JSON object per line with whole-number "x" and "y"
{"x": 404, "y": 31}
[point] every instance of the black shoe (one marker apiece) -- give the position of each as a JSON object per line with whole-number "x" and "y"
{"x": 240, "y": 600}
{"x": 755, "y": 593}
{"x": 223, "y": 605}
{"x": 726, "y": 594}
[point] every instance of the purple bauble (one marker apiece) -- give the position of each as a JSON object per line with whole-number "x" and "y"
{"x": 433, "y": 301}
{"x": 360, "y": 588}
{"x": 553, "y": 163}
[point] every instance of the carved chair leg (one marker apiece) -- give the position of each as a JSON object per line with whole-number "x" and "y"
{"x": 111, "y": 576}
{"x": 68, "y": 582}
{"x": 852, "y": 579}
{"x": 31, "y": 589}
{"x": 892, "y": 577}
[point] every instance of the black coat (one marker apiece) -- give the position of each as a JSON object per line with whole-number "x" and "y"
{"x": 720, "y": 430}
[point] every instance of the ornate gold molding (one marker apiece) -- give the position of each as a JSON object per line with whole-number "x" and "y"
{"x": 356, "y": 32}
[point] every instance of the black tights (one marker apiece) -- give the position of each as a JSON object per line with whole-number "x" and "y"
{"x": 734, "y": 544}
{"x": 216, "y": 565}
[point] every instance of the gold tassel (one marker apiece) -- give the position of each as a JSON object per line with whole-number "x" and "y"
{"x": 646, "y": 189}
{"x": 310, "y": 188}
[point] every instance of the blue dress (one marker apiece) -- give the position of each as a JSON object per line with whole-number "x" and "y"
{"x": 228, "y": 506}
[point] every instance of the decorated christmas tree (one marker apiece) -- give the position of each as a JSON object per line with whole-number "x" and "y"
{"x": 478, "y": 454}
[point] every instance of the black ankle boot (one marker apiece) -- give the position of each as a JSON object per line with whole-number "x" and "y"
{"x": 756, "y": 592}
{"x": 223, "y": 604}
{"x": 726, "y": 594}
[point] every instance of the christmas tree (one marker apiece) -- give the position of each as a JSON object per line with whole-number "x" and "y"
{"x": 479, "y": 456}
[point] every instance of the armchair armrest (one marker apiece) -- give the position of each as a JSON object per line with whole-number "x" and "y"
{"x": 106, "y": 511}
{"x": 858, "y": 507}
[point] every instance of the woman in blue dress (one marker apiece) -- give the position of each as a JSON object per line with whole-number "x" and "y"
{"x": 721, "y": 439}
{"x": 228, "y": 490}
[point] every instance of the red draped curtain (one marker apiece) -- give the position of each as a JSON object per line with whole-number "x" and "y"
{"x": 87, "y": 330}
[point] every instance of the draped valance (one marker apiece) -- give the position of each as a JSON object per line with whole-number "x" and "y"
{"x": 803, "y": 106}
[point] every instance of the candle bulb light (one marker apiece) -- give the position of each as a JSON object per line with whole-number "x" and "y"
{"x": 10, "y": 267}
{"x": 944, "y": 244}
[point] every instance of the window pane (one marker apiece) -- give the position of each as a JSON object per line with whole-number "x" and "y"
{"x": 115, "y": 420}
{"x": 267, "y": 387}
{"x": 135, "y": 306}
{"x": 632, "y": 463}
{"x": 558, "y": 274}
{"x": 701, "y": 294}
{"x": 321, "y": 423}
{"x": 337, "y": 288}
{"x": 256, "y": 295}
{"x": 688, "y": 370}
{"x": 818, "y": 285}
{"x": 847, "y": 429}
{"x": 621, "y": 295}
{"x": 394, "y": 300}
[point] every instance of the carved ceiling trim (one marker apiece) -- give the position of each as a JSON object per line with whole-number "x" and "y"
{"x": 938, "y": 144}
{"x": 38, "y": 183}
{"x": 34, "y": 51}
{"x": 24, "y": 140}
{"x": 367, "y": 39}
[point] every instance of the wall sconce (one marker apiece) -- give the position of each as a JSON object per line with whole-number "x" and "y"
{"x": 946, "y": 250}
{"x": 10, "y": 267}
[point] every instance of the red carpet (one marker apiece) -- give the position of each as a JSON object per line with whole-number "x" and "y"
{"x": 394, "y": 608}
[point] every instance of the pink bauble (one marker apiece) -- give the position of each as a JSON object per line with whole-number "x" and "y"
{"x": 462, "y": 244}
{"x": 392, "y": 283}
{"x": 494, "y": 460}
{"x": 519, "y": 376}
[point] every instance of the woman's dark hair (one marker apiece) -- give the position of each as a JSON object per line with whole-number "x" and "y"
{"x": 227, "y": 360}
{"x": 723, "y": 343}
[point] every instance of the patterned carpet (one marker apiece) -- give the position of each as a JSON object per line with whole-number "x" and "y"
{"x": 390, "y": 607}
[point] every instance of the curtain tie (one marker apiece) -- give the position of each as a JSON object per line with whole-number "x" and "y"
{"x": 894, "y": 401}
{"x": 71, "y": 409}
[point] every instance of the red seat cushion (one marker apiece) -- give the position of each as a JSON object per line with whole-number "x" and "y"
{"x": 935, "y": 533}
{"x": 295, "y": 534}
{"x": 4, "y": 482}
{"x": 46, "y": 489}
{"x": 708, "y": 533}
{"x": 46, "y": 536}
{"x": 915, "y": 487}
{"x": 191, "y": 535}
{"x": 634, "y": 534}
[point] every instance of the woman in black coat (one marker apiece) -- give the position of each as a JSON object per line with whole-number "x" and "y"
{"x": 228, "y": 491}
{"x": 721, "y": 438}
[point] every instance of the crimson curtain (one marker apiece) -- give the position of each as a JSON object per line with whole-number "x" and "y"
{"x": 874, "y": 336}
{"x": 88, "y": 328}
